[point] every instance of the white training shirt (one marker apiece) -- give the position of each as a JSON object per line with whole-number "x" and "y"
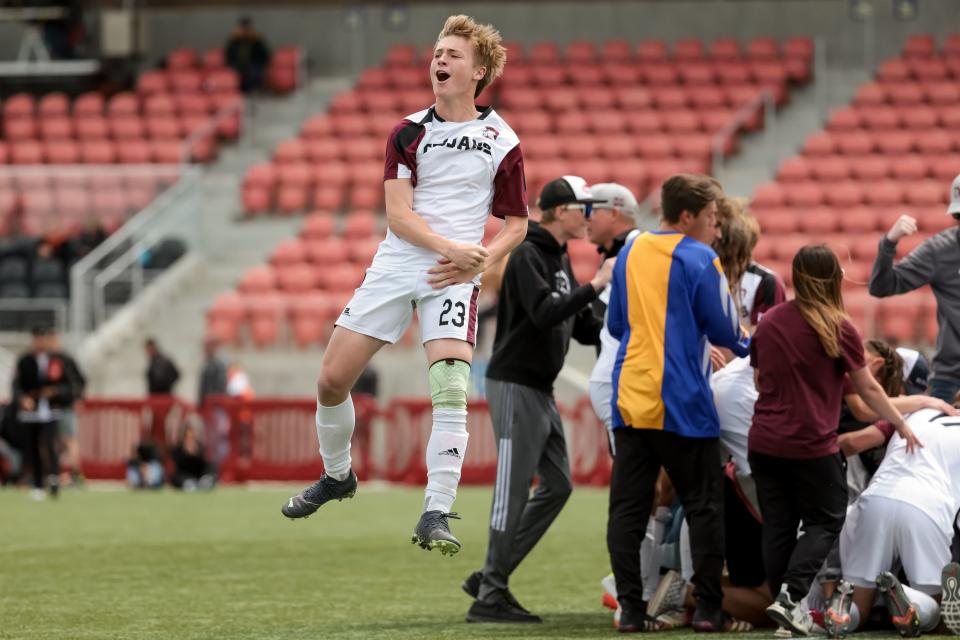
{"x": 603, "y": 368}
{"x": 929, "y": 479}
{"x": 461, "y": 173}
{"x": 734, "y": 394}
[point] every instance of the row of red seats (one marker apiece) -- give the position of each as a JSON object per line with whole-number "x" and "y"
{"x": 929, "y": 69}
{"x": 907, "y": 93}
{"x": 916, "y": 117}
{"x": 849, "y": 193}
{"x": 77, "y": 201}
{"x": 924, "y": 45}
{"x": 630, "y": 99}
{"x": 852, "y": 220}
{"x": 178, "y": 81}
{"x": 862, "y": 142}
{"x": 584, "y": 51}
{"x": 168, "y": 150}
{"x": 121, "y": 128}
{"x": 123, "y": 104}
{"x": 283, "y": 75}
{"x": 941, "y": 167}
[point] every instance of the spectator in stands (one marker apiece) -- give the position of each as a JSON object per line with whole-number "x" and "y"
{"x": 42, "y": 389}
{"x": 802, "y": 350}
{"x": 89, "y": 238}
{"x": 162, "y": 373}
{"x": 541, "y": 308}
{"x": 248, "y": 54}
{"x": 70, "y": 458}
{"x": 935, "y": 262}
{"x": 192, "y": 471}
{"x": 144, "y": 469}
{"x": 669, "y": 294}
{"x": 213, "y": 377}
{"x": 55, "y": 244}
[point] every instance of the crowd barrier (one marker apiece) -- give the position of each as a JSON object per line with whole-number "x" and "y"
{"x": 274, "y": 438}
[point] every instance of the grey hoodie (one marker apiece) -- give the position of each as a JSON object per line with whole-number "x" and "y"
{"x": 935, "y": 262}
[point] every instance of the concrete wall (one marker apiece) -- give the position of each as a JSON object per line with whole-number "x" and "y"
{"x": 337, "y": 45}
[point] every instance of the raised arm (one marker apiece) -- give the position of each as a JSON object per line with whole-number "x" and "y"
{"x": 903, "y": 404}
{"x": 912, "y": 272}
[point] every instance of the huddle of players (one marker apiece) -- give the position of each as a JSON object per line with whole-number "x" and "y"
{"x": 453, "y": 164}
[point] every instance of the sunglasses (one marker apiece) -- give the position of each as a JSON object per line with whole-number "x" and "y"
{"x": 585, "y": 209}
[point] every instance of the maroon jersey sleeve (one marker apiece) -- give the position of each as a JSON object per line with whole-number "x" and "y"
{"x": 510, "y": 186}
{"x": 401, "y": 152}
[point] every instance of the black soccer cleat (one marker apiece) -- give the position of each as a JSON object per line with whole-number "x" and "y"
{"x": 471, "y": 587}
{"x": 499, "y": 611}
{"x": 305, "y": 503}
{"x": 433, "y": 532}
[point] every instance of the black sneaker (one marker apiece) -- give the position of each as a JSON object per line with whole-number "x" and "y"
{"x": 713, "y": 619}
{"x": 433, "y": 532}
{"x": 499, "y": 611}
{"x": 903, "y": 615}
{"x": 305, "y": 503}
{"x": 628, "y": 621}
{"x": 471, "y": 587}
{"x": 836, "y": 619}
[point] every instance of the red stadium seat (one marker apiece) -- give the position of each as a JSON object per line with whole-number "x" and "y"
{"x": 819, "y": 145}
{"x": 598, "y": 99}
{"x": 873, "y": 167}
{"x": 318, "y": 126}
{"x": 870, "y": 94}
{"x": 296, "y": 278}
{"x": 682, "y": 121}
{"x": 709, "y": 98}
{"x": 795, "y": 169}
{"x": 843, "y": 195}
{"x": 318, "y": 225}
{"x": 167, "y": 151}
{"x": 893, "y": 71}
{"x": 769, "y": 195}
{"x": 909, "y": 168}
{"x": 895, "y": 143}
{"x": 91, "y": 128}
{"x": 932, "y": 70}
{"x": 213, "y": 59}
{"x": 844, "y": 119}
{"x": 20, "y": 105}
{"x": 88, "y": 104}
{"x": 725, "y": 49}
{"x": 919, "y": 46}
{"x": 291, "y": 198}
{"x": 884, "y": 194}
{"x": 919, "y": 118}
{"x": 820, "y": 220}
{"x": 580, "y": 52}
{"x": 858, "y": 220}
{"x": 56, "y": 128}
{"x": 617, "y": 147}
{"x": 54, "y": 105}
{"x": 256, "y": 200}
{"x": 616, "y": 51}
{"x": 360, "y": 226}
{"x": 20, "y": 129}
{"x": 622, "y": 74}
{"x": 62, "y": 152}
{"x": 162, "y": 127}
{"x": 580, "y": 147}
{"x": 295, "y": 174}
{"x": 134, "y": 151}
{"x": 192, "y": 103}
{"x": 222, "y": 81}
{"x": 854, "y": 143}
{"x": 880, "y": 118}
{"x": 698, "y": 74}
{"x": 670, "y": 98}
{"x": 572, "y": 123}
{"x": 182, "y": 58}
{"x": 830, "y": 169}
{"x": 544, "y": 53}
{"x": 763, "y": 48}
{"x": 160, "y": 105}
{"x": 326, "y": 252}
{"x": 688, "y": 49}
{"x": 925, "y": 193}
{"x": 633, "y": 98}
{"x": 661, "y": 74}
{"x": 290, "y": 151}
{"x": 652, "y": 51}
{"x": 803, "y": 194}
{"x": 26, "y": 152}
{"x": 123, "y": 104}
{"x": 905, "y": 94}
{"x": 561, "y": 100}
{"x": 126, "y": 127}
{"x": 97, "y": 152}
{"x": 776, "y": 222}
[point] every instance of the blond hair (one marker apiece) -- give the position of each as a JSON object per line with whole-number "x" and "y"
{"x": 488, "y": 52}
{"x": 817, "y": 278}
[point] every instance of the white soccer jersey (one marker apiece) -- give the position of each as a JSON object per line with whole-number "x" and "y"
{"x": 760, "y": 290}
{"x": 734, "y": 394}
{"x": 461, "y": 173}
{"x": 929, "y": 478}
{"x": 603, "y": 369}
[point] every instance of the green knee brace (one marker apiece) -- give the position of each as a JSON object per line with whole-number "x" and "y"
{"x": 448, "y": 384}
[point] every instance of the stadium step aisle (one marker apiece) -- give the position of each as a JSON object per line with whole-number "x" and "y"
{"x": 894, "y": 149}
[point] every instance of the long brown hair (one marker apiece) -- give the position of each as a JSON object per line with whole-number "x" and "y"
{"x": 816, "y": 279}
{"x": 890, "y": 375}
{"x": 739, "y": 233}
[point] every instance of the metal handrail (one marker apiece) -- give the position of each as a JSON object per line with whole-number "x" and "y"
{"x": 766, "y": 99}
{"x": 240, "y": 106}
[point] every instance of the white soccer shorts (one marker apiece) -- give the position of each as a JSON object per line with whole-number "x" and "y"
{"x": 382, "y": 307}
{"x": 879, "y": 530}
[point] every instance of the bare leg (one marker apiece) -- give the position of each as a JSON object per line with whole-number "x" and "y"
{"x": 748, "y": 604}
{"x": 863, "y": 598}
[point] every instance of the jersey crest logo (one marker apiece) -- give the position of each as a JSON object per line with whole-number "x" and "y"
{"x": 562, "y": 282}
{"x": 490, "y": 132}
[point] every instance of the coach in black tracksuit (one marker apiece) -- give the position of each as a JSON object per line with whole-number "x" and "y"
{"x": 540, "y": 308}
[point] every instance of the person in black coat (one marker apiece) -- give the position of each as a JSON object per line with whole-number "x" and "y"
{"x": 43, "y": 388}
{"x": 162, "y": 373}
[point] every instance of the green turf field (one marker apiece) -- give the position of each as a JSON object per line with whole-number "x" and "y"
{"x": 226, "y": 565}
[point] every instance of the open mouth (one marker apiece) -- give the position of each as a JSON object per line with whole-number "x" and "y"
{"x": 442, "y": 76}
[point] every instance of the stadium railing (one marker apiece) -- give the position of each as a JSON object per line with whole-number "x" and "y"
{"x": 273, "y": 439}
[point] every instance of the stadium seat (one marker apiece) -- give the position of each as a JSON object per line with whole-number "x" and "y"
{"x": 661, "y": 75}
{"x": 830, "y": 169}
{"x": 843, "y": 195}
{"x": 327, "y": 251}
{"x": 580, "y": 52}
{"x": 774, "y": 222}
{"x": 904, "y": 95}
{"x": 844, "y": 119}
{"x": 803, "y": 194}
{"x": 871, "y": 94}
{"x": 942, "y": 93}
{"x": 290, "y": 151}
{"x": 817, "y": 221}
{"x": 919, "y": 118}
{"x": 123, "y": 104}
{"x": 872, "y": 167}
{"x": 688, "y": 49}
{"x": 908, "y": 167}
{"x": 616, "y": 51}
{"x": 880, "y": 118}
{"x": 633, "y": 98}
{"x": 895, "y": 143}
{"x": 858, "y": 220}
{"x": 20, "y": 105}
{"x": 819, "y": 145}
{"x": 652, "y": 51}
{"x": 763, "y": 48}
{"x": 925, "y": 193}
{"x": 725, "y": 49}
{"x": 545, "y": 53}
{"x": 134, "y": 151}
{"x": 26, "y": 152}
{"x": 795, "y": 169}
{"x": 884, "y": 194}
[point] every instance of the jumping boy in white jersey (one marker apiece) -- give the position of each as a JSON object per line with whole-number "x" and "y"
{"x": 448, "y": 168}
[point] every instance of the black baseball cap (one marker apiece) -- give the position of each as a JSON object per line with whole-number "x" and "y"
{"x": 566, "y": 190}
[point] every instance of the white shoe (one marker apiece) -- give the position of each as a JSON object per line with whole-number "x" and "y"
{"x": 790, "y": 615}
{"x": 38, "y": 495}
{"x": 783, "y": 633}
{"x": 670, "y": 594}
{"x": 609, "y": 584}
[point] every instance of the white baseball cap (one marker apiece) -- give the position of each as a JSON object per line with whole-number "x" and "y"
{"x": 954, "y": 207}
{"x": 615, "y": 196}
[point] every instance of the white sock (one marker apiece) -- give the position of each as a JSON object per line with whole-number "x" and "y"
{"x": 649, "y": 560}
{"x": 686, "y": 556}
{"x": 334, "y": 430}
{"x": 854, "y": 617}
{"x": 445, "y": 452}
{"x": 927, "y": 608}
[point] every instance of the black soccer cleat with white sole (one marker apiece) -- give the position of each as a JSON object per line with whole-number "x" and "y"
{"x": 950, "y": 604}
{"x": 471, "y": 587}
{"x": 305, "y": 503}
{"x": 433, "y": 532}
{"x": 903, "y": 615}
